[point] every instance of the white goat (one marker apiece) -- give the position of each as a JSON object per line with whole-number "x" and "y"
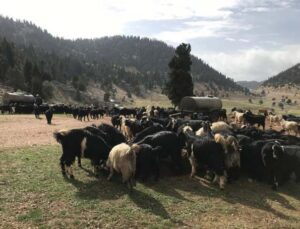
{"x": 220, "y": 126}
{"x": 122, "y": 159}
{"x": 290, "y": 126}
{"x": 238, "y": 117}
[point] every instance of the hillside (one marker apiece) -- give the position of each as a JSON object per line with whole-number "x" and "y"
{"x": 249, "y": 84}
{"x": 290, "y": 76}
{"x": 30, "y": 55}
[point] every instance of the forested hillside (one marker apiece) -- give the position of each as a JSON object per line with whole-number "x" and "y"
{"x": 290, "y": 76}
{"x": 30, "y": 56}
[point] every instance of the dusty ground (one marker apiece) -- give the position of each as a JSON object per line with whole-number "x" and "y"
{"x": 25, "y": 130}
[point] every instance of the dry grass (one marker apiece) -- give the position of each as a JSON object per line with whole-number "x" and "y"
{"x": 243, "y": 103}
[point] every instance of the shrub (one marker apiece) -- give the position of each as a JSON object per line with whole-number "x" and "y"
{"x": 281, "y": 105}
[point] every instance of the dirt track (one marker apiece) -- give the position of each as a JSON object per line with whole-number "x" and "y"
{"x": 26, "y": 130}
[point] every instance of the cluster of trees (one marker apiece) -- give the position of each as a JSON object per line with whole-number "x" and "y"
{"x": 129, "y": 62}
{"x": 18, "y": 72}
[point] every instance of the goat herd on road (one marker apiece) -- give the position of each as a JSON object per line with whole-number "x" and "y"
{"x": 139, "y": 140}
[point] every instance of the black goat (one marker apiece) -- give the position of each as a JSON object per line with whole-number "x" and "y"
{"x": 169, "y": 142}
{"x": 255, "y": 119}
{"x": 147, "y": 131}
{"x": 147, "y": 161}
{"x": 116, "y": 121}
{"x": 280, "y": 161}
{"x": 114, "y": 136}
{"x": 49, "y": 115}
{"x": 81, "y": 143}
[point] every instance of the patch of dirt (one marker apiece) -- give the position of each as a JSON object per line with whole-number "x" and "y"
{"x": 25, "y": 130}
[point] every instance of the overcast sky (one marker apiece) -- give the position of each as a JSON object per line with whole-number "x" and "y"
{"x": 244, "y": 39}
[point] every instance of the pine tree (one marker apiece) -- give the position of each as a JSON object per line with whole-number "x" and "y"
{"x": 180, "y": 82}
{"x": 8, "y": 52}
{"x": 27, "y": 72}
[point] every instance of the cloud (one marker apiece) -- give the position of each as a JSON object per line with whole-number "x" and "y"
{"x": 96, "y": 18}
{"x": 193, "y": 30}
{"x": 133, "y": 10}
{"x": 254, "y": 64}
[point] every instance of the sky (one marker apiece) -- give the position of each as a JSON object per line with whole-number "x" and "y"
{"x": 243, "y": 39}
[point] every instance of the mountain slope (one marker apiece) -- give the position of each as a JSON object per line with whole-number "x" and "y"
{"x": 129, "y": 62}
{"x": 249, "y": 84}
{"x": 290, "y": 76}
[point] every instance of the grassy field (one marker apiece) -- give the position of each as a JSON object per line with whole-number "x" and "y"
{"x": 34, "y": 194}
{"x": 228, "y": 103}
{"x": 255, "y": 106}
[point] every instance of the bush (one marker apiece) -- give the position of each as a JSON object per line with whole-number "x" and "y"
{"x": 261, "y": 101}
{"x": 281, "y": 105}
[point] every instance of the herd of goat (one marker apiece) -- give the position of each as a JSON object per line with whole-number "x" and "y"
{"x": 139, "y": 140}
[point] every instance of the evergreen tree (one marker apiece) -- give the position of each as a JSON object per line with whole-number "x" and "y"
{"x": 8, "y": 52}
{"x": 106, "y": 97}
{"x": 180, "y": 82}
{"x": 37, "y": 82}
{"x": 27, "y": 72}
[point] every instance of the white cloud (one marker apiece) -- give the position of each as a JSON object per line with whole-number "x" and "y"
{"x": 254, "y": 64}
{"x": 96, "y": 18}
{"x": 201, "y": 29}
{"x": 193, "y": 30}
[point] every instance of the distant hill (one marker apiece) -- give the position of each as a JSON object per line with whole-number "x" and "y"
{"x": 249, "y": 84}
{"x": 290, "y": 76}
{"x": 30, "y": 55}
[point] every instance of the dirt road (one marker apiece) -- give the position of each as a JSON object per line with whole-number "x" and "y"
{"x": 26, "y": 130}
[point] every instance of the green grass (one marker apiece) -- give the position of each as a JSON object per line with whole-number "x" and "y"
{"x": 33, "y": 193}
